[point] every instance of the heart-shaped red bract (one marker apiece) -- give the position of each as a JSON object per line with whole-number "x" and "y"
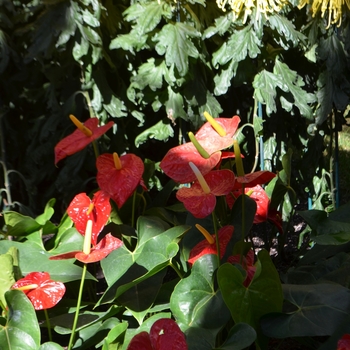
{"x": 165, "y": 334}
{"x": 77, "y": 141}
{"x": 175, "y": 162}
{"x": 257, "y": 178}
{"x": 101, "y": 250}
{"x": 204, "y": 247}
{"x": 344, "y": 342}
{"x": 119, "y": 183}
{"x": 97, "y": 253}
{"x": 78, "y": 212}
{"x": 47, "y": 293}
{"x": 201, "y": 204}
{"x": 211, "y": 141}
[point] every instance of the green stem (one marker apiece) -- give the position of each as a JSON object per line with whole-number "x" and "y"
{"x": 88, "y": 101}
{"x": 133, "y": 209}
{"x": 96, "y": 151}
{"x": 174, "y": 267}
{"x": 243, "y": 224}
{"x": 48, "y": 324}
{"x": 75, "y": 322}
{"x": 216, "y": 236}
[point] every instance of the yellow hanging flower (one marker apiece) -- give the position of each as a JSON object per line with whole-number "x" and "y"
{"x": 239, "y": 7}
{"x": 334, "y": 8}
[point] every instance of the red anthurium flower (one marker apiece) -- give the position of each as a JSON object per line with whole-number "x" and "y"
{"x": 80, "y": 138}
{"x": 97, "y": 252}
{"x": 344, "y": 342}
{"x": 175, "y": 162}
{"x": 119, "y": 176}
{"x": 165, "y": 334}
{"x": 257, "y": 178}
{"x": 200, "y": 200}
{"x": 204, "y": 247}
{"x": 82, "y": 209}
{"x": 263, "y": 212}
{"x": 43, "y": 292}
{"x": 211, "y": 140}
{"x": 247, "y": 263}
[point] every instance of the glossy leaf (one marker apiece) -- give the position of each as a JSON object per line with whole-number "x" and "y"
{"x": 50, "y": 346}
{"x": 262, "y": 296}
{"x": 79, "y": 211}
{"x": 195, "y": 296}
{"x": 63, "y": 270}
{"x": 317, "y": 310}
{"x": 47, "y": 292}
{"x": 7, "y": 278}
{"x": 119, "y": 184}
{"x": 240, "y": 337}
{"x": 21, "y": 330}
{"x": 77, "y": 141}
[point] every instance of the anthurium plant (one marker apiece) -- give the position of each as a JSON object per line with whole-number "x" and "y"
{"x": 183, "y": 275}
{"x": 154, "y": 155}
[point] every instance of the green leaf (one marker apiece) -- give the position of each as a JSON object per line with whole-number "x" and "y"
{"x": 80, "y": 49}
{"x": 152, "y": 73}
{"x": 317, "y": 311}
{"x": 265, "y": 84}
{"x": 129, "y": 42}
{"x": 59, "y": 270}
{"x": 262, "y": 296}
{"x": 175, "y": 104}
{"x": 20, "y": 225}
{"x": 287, "y": 164}
{"x": 174, "y": 41}
{"x": 147, "y": 15}
{"x": 50, "y": 346}
{"x": 195, "y": 297}
{"x": 286, "y": 31}
{"x": 329, "y": 229}
{"x": 241, "y": 44}
{"x": 240, "y": 337}
{"x": 22, "y": 329}
{"x": 294, "y": 84}
{"x": 48, "y": 212}
{"x": 7, "y": 277}
{"x": 223, "y": 80}
{"x": 160, "y": 131}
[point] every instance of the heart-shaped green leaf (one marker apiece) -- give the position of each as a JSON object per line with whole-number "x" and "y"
{"x": 195, "y": 297}
{"x": 21, "y": 330}
{"x": 318, "y": 309}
